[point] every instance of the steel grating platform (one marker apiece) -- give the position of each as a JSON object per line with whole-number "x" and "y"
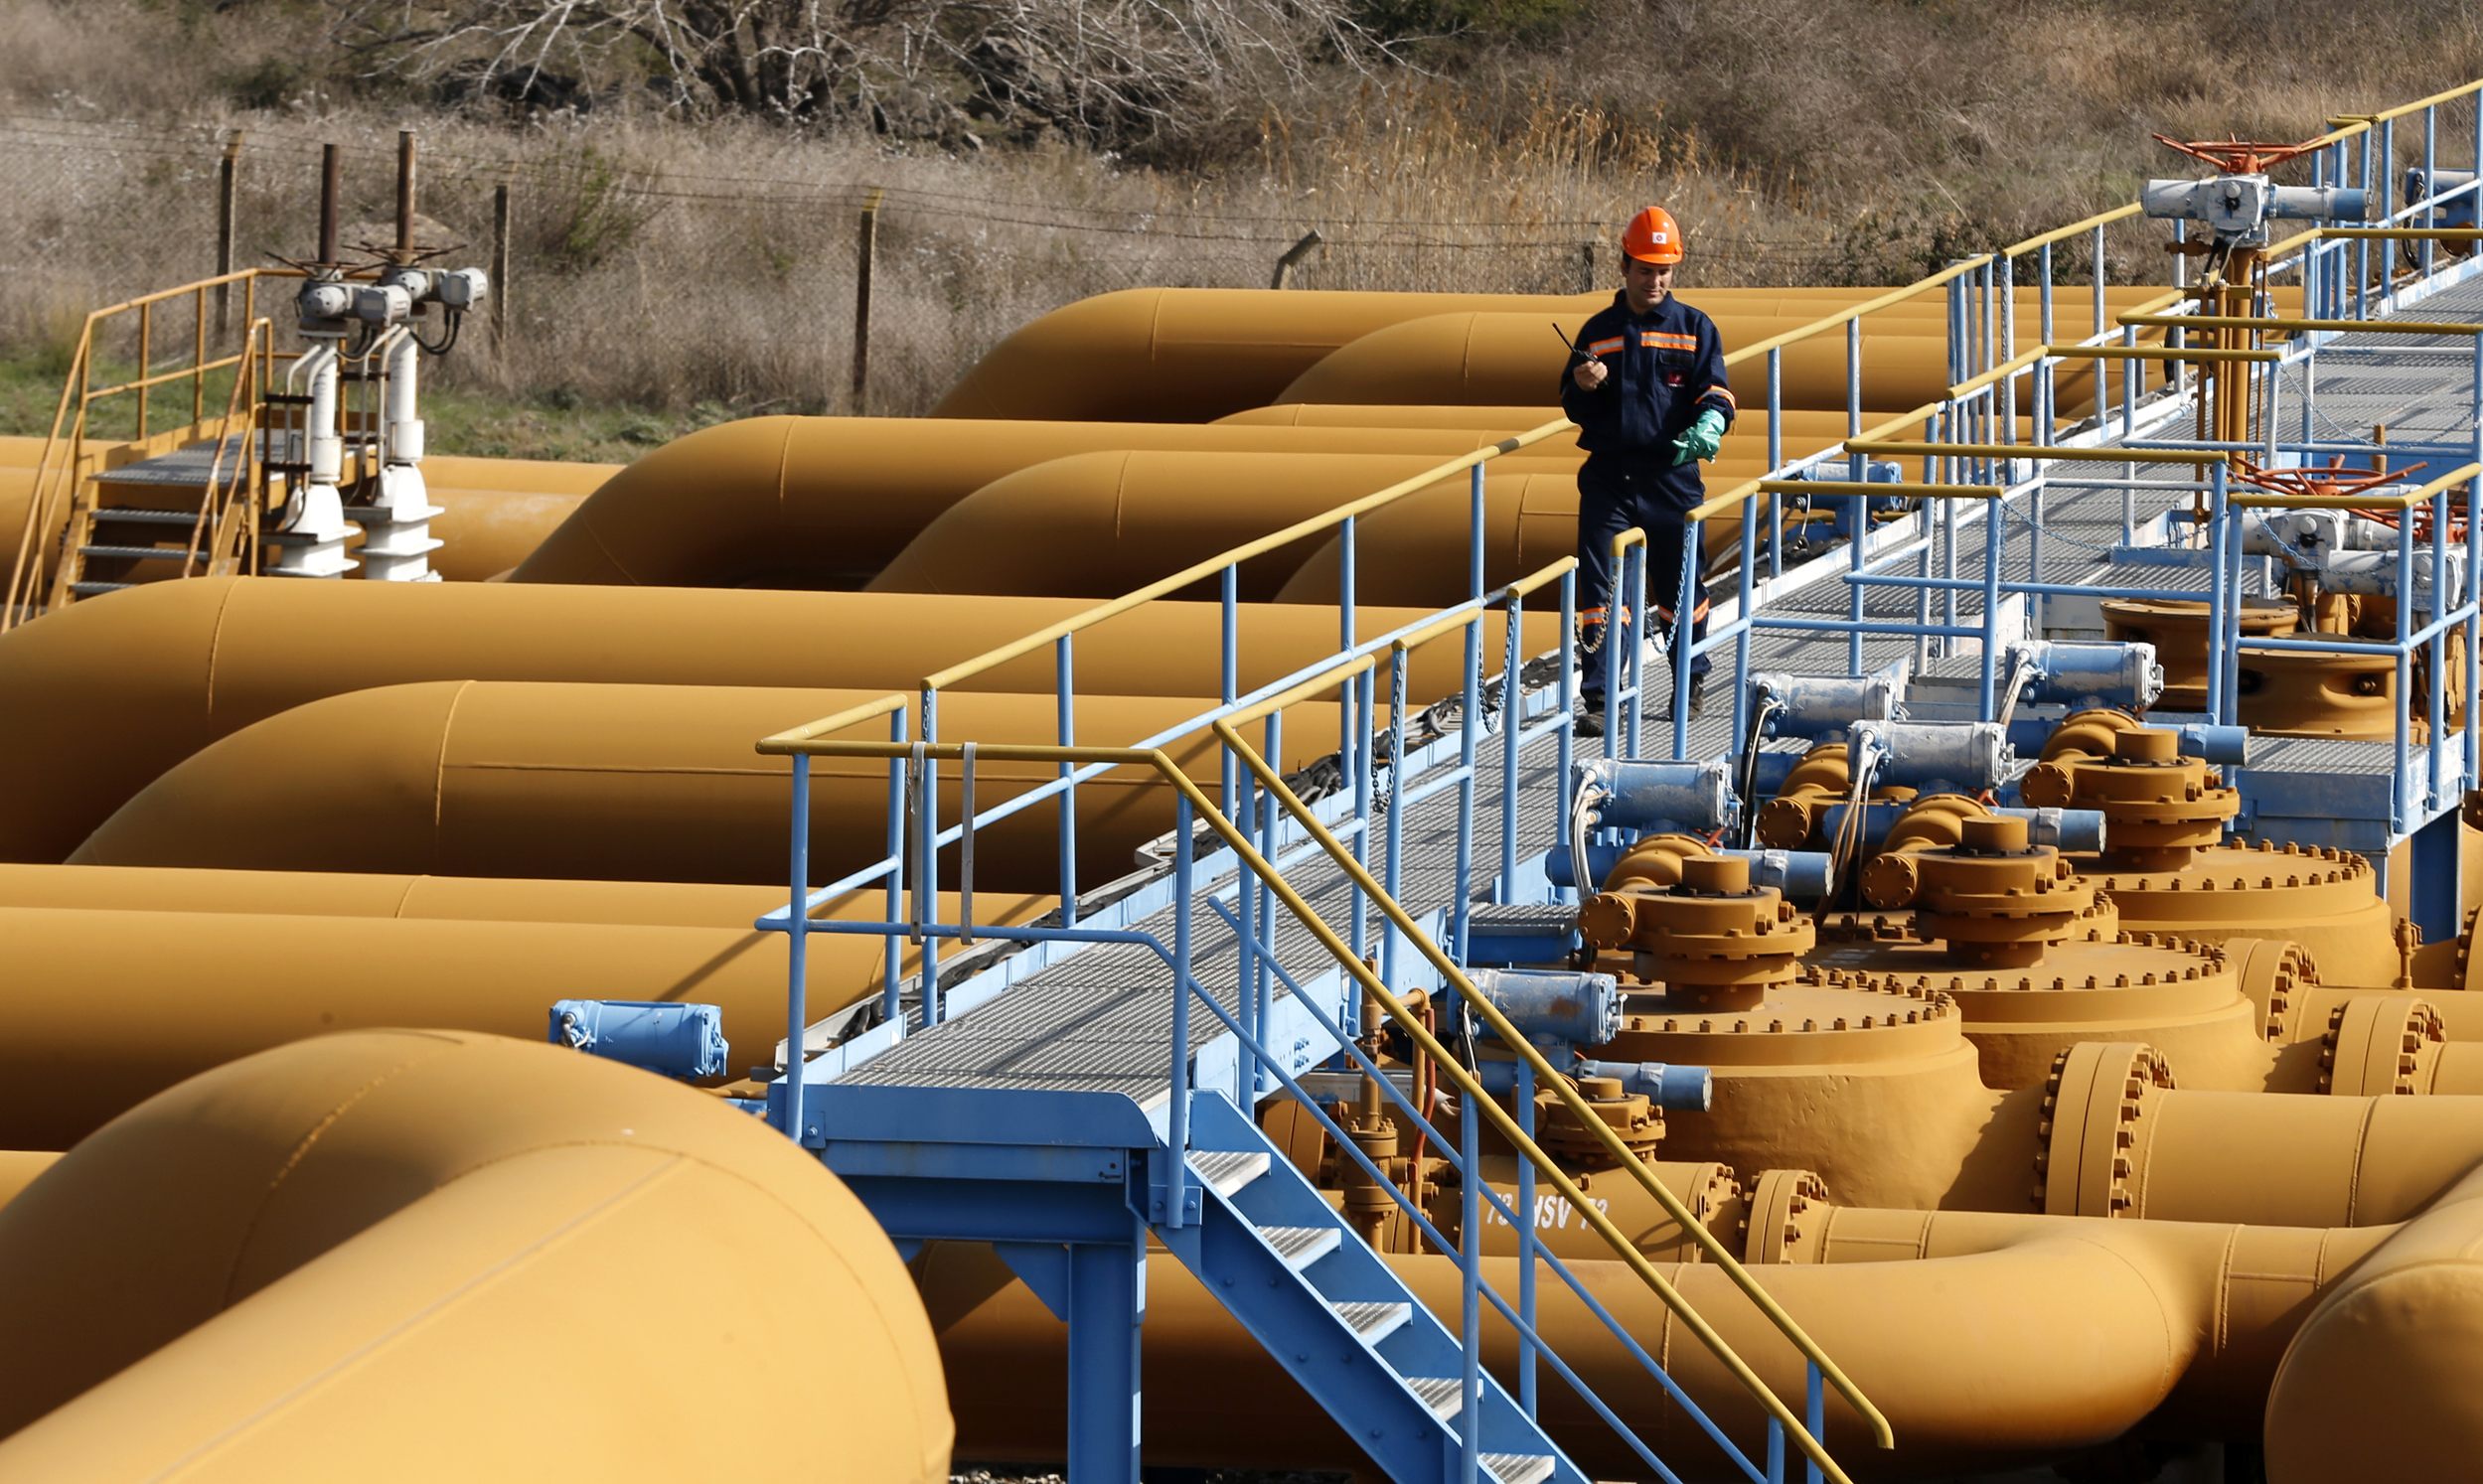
{"x": 1100, "y": 1019}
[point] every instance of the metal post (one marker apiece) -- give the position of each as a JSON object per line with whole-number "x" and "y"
{"x": 2387, "y": 186}
{"x": 1513, "y": 714}
{"x": 1229, "y": 688}
{"x": 1814, "y": 1417}
{"x": 797, "y": 948}
{"x": 1776, "y": 459}
{"x": 2430, "y": 187}
{"x": 891, "y": 990}
{"x": 1685, "y": 626}
{"x": 1353, "y": 735}
{"x": 1263, "y": 972}
{"x": 1586, "y": 266}
{"x": 1292, "y": 258}
{"x": 2474, "y": 548}
{"x": 1184, "y": 889}
{"x": 2216, "y": 710}
{"x": 2437, "y": 686}
{"x": 1859, "y": 472}
{"x": 1065, "y": 694}
{"x": 1642, "y": 623}
{"x": 228, "y": 196}
{"x": 1992, "y": 530}
{"x": 1526, "y": 1241}
{"x": 1107, "y": 1303}
{"x": 1470, "y": 1266}
{"x": 500, "y": 261}
{"x": 2401, "y": 814}
{"x": 1398, "y": 772}
{"x": 1469, "y": 729}
{"x": 865, "y": 251}
{"x": 1568, "y": 744}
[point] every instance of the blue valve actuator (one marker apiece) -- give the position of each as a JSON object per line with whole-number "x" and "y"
{"x": 1681, "y": 1089}
{"x": 1555, "y": 1005}
{"x": 658, "y": 1036}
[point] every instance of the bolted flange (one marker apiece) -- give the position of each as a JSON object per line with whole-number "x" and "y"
{"x": 1713, "y": 941}
{"x": 1639, "y": 1122}
{"x": 1996, "y": 898}
{"x": 2159, "y": 807}
{"x": 1788, "y": 1210}
{"x": 2378, "y": 1045}
{"x": 2094, "y": 1103}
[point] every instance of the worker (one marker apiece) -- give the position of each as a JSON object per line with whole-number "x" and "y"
{"x": 1646, "y": 386}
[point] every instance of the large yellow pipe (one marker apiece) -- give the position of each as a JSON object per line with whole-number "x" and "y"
{"x": 1188, "y": 354}
{"x": 825, "y": 502}
{"x": 635, "y": 783}
{"x": 1109, "y": 522}
{"x": 2371, "y": 1388}
{"x": 2060, "y": 1337}
{"x": 113, "y": 1008}
{"x": 127, "y": 686}
{"x": 1502, "y": 359}
{"x": 427, "y": 1254}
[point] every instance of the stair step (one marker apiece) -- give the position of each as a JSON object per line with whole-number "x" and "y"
{"x": 1438, "y": 1393}
{"x": 146, "y": 517}
{"x": 1228, "y": 1170}
{"x": 1374, "y": 1322}
{"x": 140, "y": 553}
{"x": 1301, "y": 1247}
{"x": 94, "y": 589}
{"x": 1518, "y": 1468}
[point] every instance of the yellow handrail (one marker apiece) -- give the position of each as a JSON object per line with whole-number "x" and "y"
{"x": 1471, "y": 1092}
{"x": 1894, "y": 296}
{"x": 2051, "y": 452}
{"x": 2296, "y": 324}
{"x": 2040, "y": 240}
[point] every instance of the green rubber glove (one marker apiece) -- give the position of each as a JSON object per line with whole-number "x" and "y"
{"x": 1702, "y": 440}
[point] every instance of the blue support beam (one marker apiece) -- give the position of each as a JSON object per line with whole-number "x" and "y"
{"x": 1107, "y": 1309}
{"x": 2434, "y": 889}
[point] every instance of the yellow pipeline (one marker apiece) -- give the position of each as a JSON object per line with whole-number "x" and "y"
{"x": 116, "y": 1007}
{"x": 826, "y": 501}
{"x": 423, "y": 1255}
{"x": 132, "y": 687}
{"x": 643, "y": 783}
{"x": 1117, "y": 521}
{"x": 1177, "y": 354}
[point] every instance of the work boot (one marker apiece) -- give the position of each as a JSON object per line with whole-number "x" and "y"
{"x": 1589, "y": 722}
{"x": 1698, "y": 698}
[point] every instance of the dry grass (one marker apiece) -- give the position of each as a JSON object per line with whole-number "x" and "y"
{"x": 706, "y": 269}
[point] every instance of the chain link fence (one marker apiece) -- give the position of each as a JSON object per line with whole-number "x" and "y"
{"x": 688, "y": 286}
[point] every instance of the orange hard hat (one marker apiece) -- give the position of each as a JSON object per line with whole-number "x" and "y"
{"x": 1652, "y": 237}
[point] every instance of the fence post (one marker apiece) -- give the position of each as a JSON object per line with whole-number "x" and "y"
{"x": 1293, "y": 256}
{"x": 228, "y": 174}
{"x": 1586, "y": 266}
{"x": 500, "y": 261}
{"x": 866, "y": 251}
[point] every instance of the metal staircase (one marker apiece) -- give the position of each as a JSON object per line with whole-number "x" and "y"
{"x": 1281, "y": 1261}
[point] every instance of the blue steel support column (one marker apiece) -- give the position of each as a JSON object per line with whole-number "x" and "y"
{"x": 1065, "y": 690}
{"x": 1568, "y": 742}
{"x": 1513, "y": 715}
{"x": 1229, "y": 687}
{"x": 1776, "y": 458}
{"x": 927, "y": 881}
{"x": 1814, "y": 1417}
{"x": 1468, "y": 727}
{"x": 891, "y": 983}
{"x": 1246, "y": 904}
{"x": 1526, "y": 1241}
{"x": 1469, "y": 1264}
{"x": 2474, "y": 539}
{"x": 1643, "y": 620}
{"x": 1744, "y": 602}
{"x": 2435, "y": 686}
{"x": 1176, "y": 1132}
{"x": 797, "y": 945}
{"x": 1107, "y": 1302}
{"x": 1393, "y": 867}
{"x": 2217, "y": 709}
{"x": 2400, "y": 808}
{"x": 1862, "y": 526}
{"x": 1263, "y": 977}
{"x": 1685, "y": 626}
{"x": 1992, "y": 516}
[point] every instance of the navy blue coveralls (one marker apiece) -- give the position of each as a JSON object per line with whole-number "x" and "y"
{"x": 1665, "y": 367}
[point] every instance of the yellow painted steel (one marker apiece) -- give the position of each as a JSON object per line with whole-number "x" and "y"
{"x": 116, "y": 1006}
{"x": 410, "y": 1254}
{"x": 627, "y": 782}
{"x": 132, "y": 687}
{"x": 20, "y": 1168}
{"x": 2049, "y": 451}
{"x": 2161, "y": 352}
{"x": 826, "y": 501}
